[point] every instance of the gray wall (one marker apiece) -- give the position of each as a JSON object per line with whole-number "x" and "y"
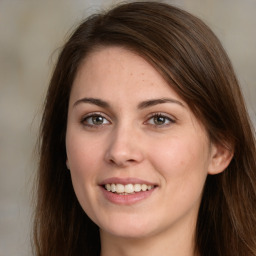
{"x": 30, "y": 32}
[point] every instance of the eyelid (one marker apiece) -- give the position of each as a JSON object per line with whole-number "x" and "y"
{"x": 169, "y": 117}
{"x": 91, "y": 114}
{"x": 172, "y": 119}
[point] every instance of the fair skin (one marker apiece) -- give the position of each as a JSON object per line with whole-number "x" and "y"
{"x": 126, "y": 125}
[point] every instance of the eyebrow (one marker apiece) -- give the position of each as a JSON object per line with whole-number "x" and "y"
{"x": 93, "y": 101}
{"x": 142, "y": 105}
{"x": 150, "y": 103}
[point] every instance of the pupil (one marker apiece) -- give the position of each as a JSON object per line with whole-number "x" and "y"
{"x": 159, "y": 120}
{"x": 97, "y": 120}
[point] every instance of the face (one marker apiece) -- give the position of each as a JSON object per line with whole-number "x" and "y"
{"x": 138, "y": 157}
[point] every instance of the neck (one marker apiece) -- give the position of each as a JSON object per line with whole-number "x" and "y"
{"x": 166, "y": 244}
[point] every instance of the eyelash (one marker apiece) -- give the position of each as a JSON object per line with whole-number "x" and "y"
{"x": 161, "y": 115}
{"x": 85, "y": 119}
{"x": 153, "y": 116}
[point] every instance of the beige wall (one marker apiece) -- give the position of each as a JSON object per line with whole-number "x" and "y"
{"x": 30, "y": 32}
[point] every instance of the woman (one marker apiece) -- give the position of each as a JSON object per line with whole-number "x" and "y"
{"x": 146, "y": 145}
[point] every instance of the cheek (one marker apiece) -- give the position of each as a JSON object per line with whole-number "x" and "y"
{"x": 183, "y": 168}
{"x": 184, "y": 160}
{"x": 82, "y": 163}
{"x": 82, "y": 155}
{"x": 83, "y": 160}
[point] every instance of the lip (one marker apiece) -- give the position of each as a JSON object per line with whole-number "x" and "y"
{"x": 126, "y": 199}
{"x": 129, "y": 199}
{"x": 125, "y": 181}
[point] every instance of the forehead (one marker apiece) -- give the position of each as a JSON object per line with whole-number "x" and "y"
{"x": 119, "y": 70}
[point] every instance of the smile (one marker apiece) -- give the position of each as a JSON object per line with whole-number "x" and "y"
{"x": 128, "y": 188}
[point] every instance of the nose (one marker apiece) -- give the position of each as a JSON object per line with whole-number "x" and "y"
{"x": 125, "y": 148}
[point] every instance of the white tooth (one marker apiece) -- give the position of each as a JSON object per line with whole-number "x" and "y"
{"x": 144, "y": 187}
{"x": 108, "y": 187}
{"x": 113, "y": 188}
{"x": 119, "y": 188}
{"x": 137, "y": 187}
{"x": 128, "y": 188}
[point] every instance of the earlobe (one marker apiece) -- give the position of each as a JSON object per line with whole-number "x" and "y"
{"x": 67, "y": 164}
{"x": 221, "y": 156}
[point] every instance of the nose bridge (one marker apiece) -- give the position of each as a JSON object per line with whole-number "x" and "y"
{"x": 124, "y": 146}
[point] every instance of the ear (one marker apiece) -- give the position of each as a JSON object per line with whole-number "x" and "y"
{"x": 221, "y": 156}
{"x": 67, "y": 164}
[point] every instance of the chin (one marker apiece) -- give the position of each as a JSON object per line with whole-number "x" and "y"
{"x": 128, "y": 228}
{"x": 127, "y": 233}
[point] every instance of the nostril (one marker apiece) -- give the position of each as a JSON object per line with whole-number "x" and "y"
{"x": 121, "y": 163}
{"x": 111, "y": 161}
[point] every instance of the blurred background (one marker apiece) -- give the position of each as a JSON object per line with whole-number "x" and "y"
{"x": 30, "y": 34}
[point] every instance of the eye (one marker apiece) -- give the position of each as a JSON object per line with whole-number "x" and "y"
{"x": 94, "y": 120}
{"x": 160, "y": 120}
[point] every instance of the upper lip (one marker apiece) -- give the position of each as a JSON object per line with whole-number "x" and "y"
{"x": 125, "y": 181}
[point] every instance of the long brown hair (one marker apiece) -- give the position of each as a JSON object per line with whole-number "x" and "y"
{"x": 191, "y": 59}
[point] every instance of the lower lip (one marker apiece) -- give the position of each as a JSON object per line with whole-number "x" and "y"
{"x": 127, "y": 199}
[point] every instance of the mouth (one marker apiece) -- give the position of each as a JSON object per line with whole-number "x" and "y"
{"x": 127, "y": 189}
